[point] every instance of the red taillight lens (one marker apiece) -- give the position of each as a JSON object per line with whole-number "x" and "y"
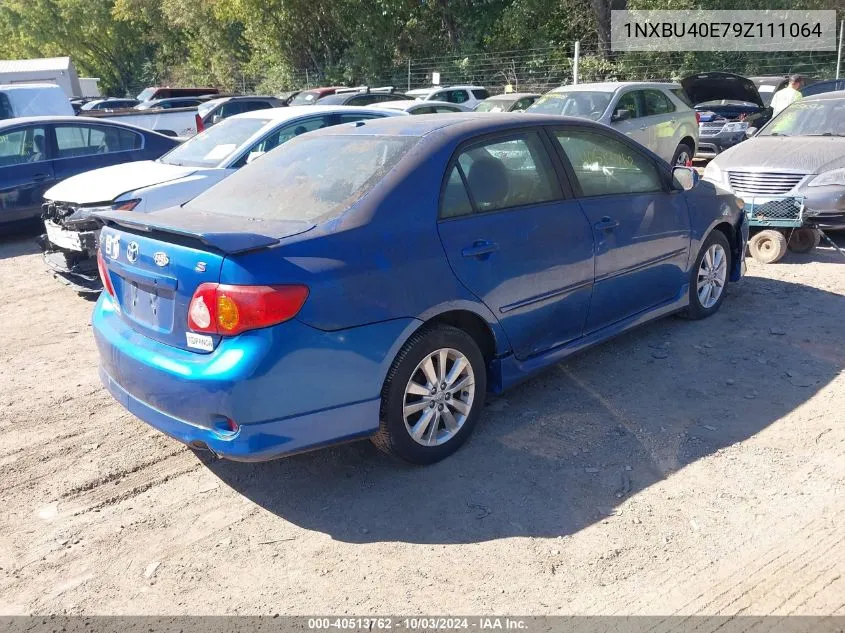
{"x": 104, "y": 273}
{"x": 229, "y": 310}
{"x": 200, "y": 124}
{"x": 128, "y": 205}
{"x": 697, "y": 117}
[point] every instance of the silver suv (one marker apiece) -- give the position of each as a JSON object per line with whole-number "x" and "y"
{"x": 654, "y": 114}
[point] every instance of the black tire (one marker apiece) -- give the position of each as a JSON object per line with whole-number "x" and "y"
{"x": 767, "y": 247}
{"x": 681, "y": 151}
{"x": 804, "y": 240}
{"x": 696, "y": 310}
{"x": 393, "y": 436}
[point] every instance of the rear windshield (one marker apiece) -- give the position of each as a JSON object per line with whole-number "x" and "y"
{"x": 307, "y": 97}
{"x": 494, "y": 105}
{"x": 146, "y": 94}
{"x": 579, "y": 103}
{"x": 310, "y": 179}
{"x": 212, "y": 147}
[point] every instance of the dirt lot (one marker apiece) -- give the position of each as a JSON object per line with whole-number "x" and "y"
{"x": 684, "y": 468}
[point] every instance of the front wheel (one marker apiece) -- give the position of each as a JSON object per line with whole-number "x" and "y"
{"x": 433, "y": 395}
{"x": 709, "y": 276}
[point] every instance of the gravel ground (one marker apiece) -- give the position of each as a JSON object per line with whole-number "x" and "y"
{"x": 687, "y": 467}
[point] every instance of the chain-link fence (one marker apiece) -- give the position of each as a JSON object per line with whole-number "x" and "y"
{"x": 540, "y": 69}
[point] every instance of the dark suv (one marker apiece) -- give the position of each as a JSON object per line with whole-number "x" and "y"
{"x": 216, "y": 110}
{"x": 363, "y": 96}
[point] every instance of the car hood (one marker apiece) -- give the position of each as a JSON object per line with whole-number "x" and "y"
{"x": 703, "y": 87}
{"x": 807, "y": 154}
{"x": 107, "y": 183}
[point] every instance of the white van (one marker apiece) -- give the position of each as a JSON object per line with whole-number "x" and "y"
{"x": 18, "y": 100}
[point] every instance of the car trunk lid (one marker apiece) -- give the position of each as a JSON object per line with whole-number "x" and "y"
{"x": 156, "y": 261}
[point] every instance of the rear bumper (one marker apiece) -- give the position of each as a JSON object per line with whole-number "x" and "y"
{"x": 289, "y": 388}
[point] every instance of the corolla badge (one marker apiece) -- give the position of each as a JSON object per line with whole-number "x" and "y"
{"x": 132, "y": 252}
{"x": 161, "y": 259}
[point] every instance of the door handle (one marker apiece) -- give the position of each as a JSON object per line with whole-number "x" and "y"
{"x": 40, "y": 177}
{"x": 606, "y": 224}
{"x": 480, "y": 248}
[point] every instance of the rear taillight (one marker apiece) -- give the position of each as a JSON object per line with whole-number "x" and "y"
{"x": 126, "y": 205}
{"x": 697, "y": 118}
{"x": 229, "y": 310}
{"x": 200, "y": 124}
{"x": 104, "y": 274}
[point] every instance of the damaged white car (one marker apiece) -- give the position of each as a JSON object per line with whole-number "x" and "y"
{"x": 70, "y": 241}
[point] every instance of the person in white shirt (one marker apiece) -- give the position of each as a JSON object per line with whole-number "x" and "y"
{"x": 785, "y": 96}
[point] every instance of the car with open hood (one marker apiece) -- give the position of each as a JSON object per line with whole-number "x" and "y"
{"x": 727, "y": 105}
{"x": 799, "y": 155}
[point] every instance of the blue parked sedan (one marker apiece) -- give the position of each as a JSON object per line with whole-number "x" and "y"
{"x": 38, "y": 152}
{"x": 377, "y": 279}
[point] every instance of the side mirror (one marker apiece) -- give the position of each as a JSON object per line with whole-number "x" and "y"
{"x": 685, "y": 178}
{"x": 216, "y": 119}
{"x": 621, "y": 115}
{"x": 253, "y": 156}
{"x": 751, "y": 131}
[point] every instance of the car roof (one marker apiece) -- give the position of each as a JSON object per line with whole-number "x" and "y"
{"x": 613, "y": 86}
{"x": 7, "y": 123}
{"x": 291, "y": 112}
{"x": 459, "y": 123}
{"x": 511, "y": 96}
{"x": 28, "y": 86}
{"x": 822, "y": 96}
{"x": 407, "y": 104}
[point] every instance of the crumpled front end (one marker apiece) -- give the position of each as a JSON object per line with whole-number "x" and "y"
{"x": 70, "y": 244}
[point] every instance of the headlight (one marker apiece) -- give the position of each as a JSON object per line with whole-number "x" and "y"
{"x": 712, "y": 172}
{"x": 832, "y": 177}
{"x": 739, "y": 126}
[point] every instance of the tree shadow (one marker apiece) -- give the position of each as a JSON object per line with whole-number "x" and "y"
{"x": 563, "y": 450}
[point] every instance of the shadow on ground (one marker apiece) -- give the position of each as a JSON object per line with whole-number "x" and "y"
{"x": 19, "y": 239}
{"x": 561, "y": 451}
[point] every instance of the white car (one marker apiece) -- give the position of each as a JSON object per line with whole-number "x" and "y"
{"x": 654, "y": 114}
{"x": 423, "y": 107}
{"x": 175, "y": 178}
{"x": 467, "y": 96}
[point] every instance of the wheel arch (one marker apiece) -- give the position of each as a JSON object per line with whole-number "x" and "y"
{"x": 689, "y": 141}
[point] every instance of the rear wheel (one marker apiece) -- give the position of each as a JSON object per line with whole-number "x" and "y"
{"x": 767, "y": 246}
{"x": 804, "y": 240}
{"x": 683, "y": 155}
{"x": 433, "y": 395}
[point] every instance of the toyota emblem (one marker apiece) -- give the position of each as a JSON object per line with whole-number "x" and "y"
{"x": 132, "y": 252}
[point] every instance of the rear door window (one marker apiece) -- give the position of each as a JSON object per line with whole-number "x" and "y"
{"x": 480, "y": 94}
{"x": 510, "y": 172}
{"x": 249, "y": 106}
{"x": 24, "y": 145}
{"x": 83, "y": 140}
{"x": 283, "y": 135}
{"x": 657, "y": 103}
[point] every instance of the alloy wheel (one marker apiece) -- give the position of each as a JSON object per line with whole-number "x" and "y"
{"x": 712, "y": 276}
{"x": 438, "y": 397}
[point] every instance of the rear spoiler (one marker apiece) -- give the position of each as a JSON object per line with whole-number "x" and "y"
{"x": 225, "y": 233}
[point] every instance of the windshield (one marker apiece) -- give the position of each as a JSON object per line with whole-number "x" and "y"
{"x": 309, "y": 97}
{"x": 579, "y": 103}
{"x": 493, "y": 105}
{"x": 307, "y": 178}
{"x": 809, "y": 118}
{"x": 212, "y": 147}
{"x": 146, "y": 94}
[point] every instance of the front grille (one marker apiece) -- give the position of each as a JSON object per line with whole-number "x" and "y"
{"x": 763, "y": 183}
{"x": 711, "y": 129}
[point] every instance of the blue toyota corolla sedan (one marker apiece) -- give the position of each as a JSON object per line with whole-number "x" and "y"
{"x": 377, "y": 279}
